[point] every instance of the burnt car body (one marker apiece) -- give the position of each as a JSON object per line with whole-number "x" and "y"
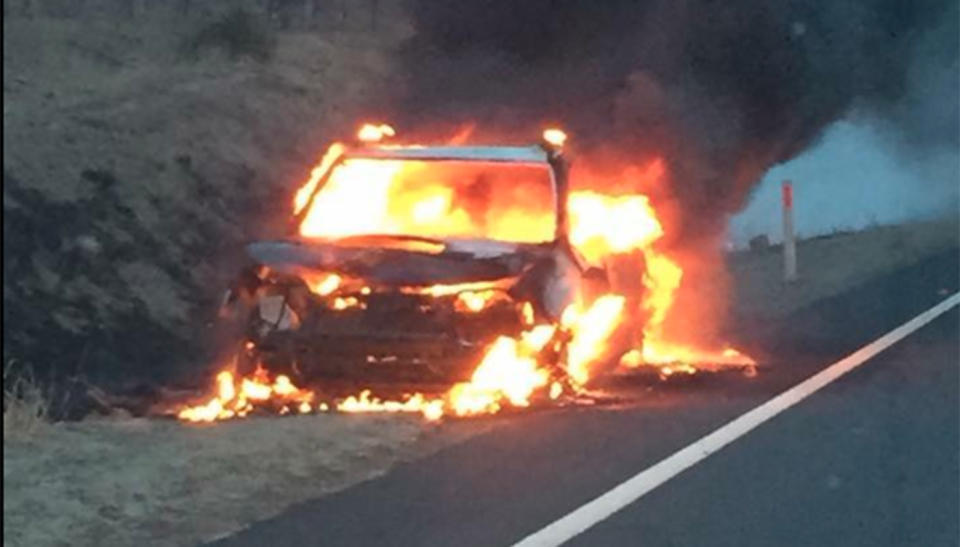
{"x": 412, "y": 307}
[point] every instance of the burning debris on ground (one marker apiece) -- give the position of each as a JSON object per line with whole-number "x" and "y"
{"x": 476, "y": 268}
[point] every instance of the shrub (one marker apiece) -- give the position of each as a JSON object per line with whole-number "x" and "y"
{"x": 25, "y": 405}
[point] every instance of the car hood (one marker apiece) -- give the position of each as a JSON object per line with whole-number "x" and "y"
{"x": 446, "y": 261}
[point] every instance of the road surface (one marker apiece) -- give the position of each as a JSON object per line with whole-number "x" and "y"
{"x": 871, "y": 459}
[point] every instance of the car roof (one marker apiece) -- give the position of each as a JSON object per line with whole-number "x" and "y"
{"x": 520, "y": 154}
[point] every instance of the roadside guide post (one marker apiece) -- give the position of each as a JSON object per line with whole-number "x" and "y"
{"x": 789, "y": 241}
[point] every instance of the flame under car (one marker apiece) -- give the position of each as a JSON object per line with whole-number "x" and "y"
{"x": 404, "y": 263}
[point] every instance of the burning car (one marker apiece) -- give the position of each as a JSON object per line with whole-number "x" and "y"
{"x": 403, "y": 263}
{"x": 450, "y": 280}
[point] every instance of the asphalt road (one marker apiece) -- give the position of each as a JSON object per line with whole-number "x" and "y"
{"x": 871, "y": 459}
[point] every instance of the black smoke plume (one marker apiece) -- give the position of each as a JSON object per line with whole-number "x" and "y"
{"x": 721, "y": 90}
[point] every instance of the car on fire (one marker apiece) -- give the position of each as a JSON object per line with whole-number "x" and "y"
{"x": 403, "y": 262}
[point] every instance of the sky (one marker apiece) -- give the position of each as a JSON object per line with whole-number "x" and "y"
{"x": 853, "y": 178}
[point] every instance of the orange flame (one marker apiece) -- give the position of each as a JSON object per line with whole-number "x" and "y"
{"x": 322, "y": 284}
{"x": 431, "y": 199}
{"x": 507, "y": 375}
{"x": 374, "y": 133}
{"x": 474, "y": 301}
{"x": 590, "y": 330}
{"x": 463, "y": 134}
{"x": 510, "y": 373}
{"x": 602, "y": 225}
{"x": 554, "y": 136}
{"x": 329, "y": 158}
{"x": 231, "y": 402}
{"x": 432, "y": 409}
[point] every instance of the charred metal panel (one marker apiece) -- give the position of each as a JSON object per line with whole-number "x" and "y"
{"x": 391, "y": 267}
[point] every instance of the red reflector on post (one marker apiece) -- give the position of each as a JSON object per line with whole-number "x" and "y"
{"x": 789, "y": 238}
{"x": 787, "y": 194}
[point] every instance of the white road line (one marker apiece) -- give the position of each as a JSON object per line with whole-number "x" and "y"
{"x": 640, "y": 484}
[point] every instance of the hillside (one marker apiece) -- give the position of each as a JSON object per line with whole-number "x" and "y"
{"x": 143, "y": 147}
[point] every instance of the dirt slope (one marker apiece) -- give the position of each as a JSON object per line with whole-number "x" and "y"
{"x": 134, "y": 169}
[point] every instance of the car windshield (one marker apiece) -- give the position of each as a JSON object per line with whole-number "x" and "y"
{"x": 506, "y": 201}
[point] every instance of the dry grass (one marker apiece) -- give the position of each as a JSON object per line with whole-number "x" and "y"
{"x": 159, "y": 482}
{"x": 25, "y": 404}
{"x": 827, "y": 266}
